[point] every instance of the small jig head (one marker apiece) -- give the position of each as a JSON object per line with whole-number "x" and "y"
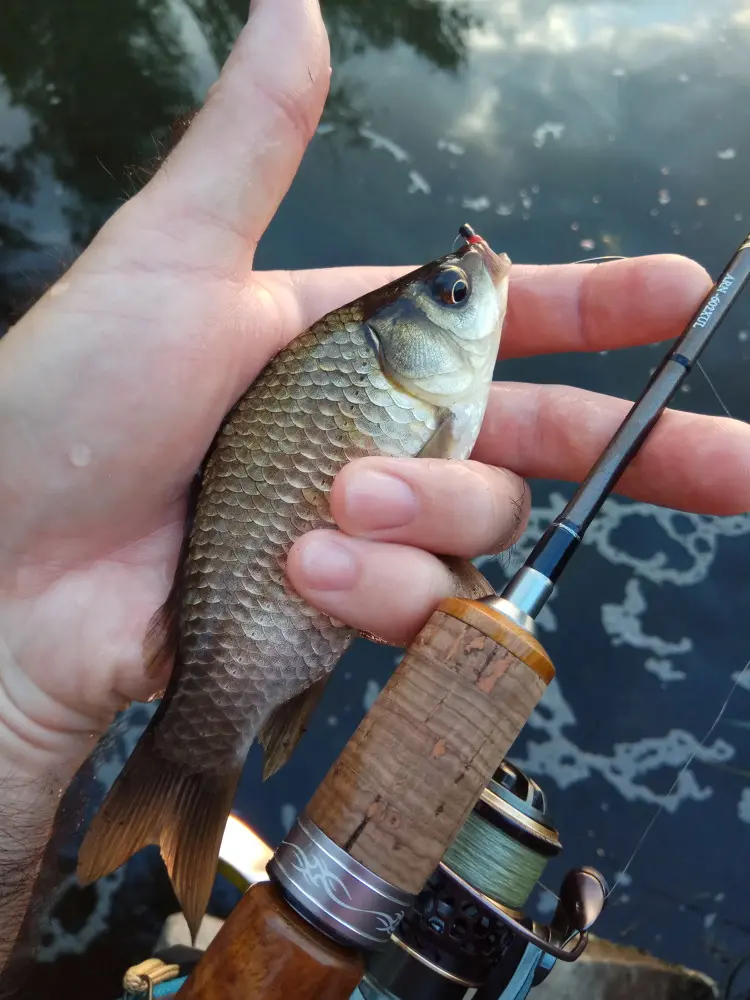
{"x": 468, "y": 234}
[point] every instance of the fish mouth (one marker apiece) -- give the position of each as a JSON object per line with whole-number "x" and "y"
{"x": 497, "y": 264}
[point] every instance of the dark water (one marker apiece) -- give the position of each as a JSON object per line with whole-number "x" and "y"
{"x": 561, "y": 131}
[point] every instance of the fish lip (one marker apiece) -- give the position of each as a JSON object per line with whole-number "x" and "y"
{"x": 498, "y": 265}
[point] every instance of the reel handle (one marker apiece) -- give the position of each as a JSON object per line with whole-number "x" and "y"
{"x": 582, "y": 896}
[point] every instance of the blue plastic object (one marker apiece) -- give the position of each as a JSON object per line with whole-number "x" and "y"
{"x": 169, "y": 989}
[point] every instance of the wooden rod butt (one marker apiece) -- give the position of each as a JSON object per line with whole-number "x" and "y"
{"x": 265, "y": 951}
{"x": 407, "y": 780}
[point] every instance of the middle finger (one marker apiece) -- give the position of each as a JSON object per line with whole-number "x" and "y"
{"x": 441, "y": 505}
{"x": 378, "y": 573}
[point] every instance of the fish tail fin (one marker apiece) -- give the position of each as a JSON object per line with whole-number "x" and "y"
{"x": 155, "y": 801}
{"x": 190, "y": 842}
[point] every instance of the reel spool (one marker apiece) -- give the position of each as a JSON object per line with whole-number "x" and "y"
{"x": 466, "y": 929}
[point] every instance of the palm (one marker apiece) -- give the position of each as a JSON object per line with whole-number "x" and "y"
{"x": 131, "y": 393}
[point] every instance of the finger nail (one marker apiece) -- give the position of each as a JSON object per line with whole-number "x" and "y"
{"x": 328, "y": 562}
{"x": 375, "y": 500}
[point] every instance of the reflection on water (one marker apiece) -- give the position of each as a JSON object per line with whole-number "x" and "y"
{"x": 560, "y": 130}
{"x": 89, "y": 94}
{"x": 606, "y": 123}
{"x": 87, "y": 90}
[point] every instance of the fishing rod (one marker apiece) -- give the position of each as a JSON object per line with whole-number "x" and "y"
{"x": 412, "y": 779}
{"x": 530, "y": 589}
{"x": 466, "y": 929}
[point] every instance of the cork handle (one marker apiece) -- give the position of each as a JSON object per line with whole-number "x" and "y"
{"x": 264, "y": 951}
{"x": 408, "y": 778}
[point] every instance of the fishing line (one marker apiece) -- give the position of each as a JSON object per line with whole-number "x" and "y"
{"x": 505, "y": 844}
{"x": 714, "y": 390}
{"x": 717, "y": 720}
{"x": 532, "y": 585}
{"x": 649, "y": 827}
{"x": 732, "y": 978}
{"x": 599, "y": 260}
{"x": 495, "y": 863}
{"x": 737, "y": 683}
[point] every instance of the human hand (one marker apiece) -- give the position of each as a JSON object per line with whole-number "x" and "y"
{"x": 113, "y": 385}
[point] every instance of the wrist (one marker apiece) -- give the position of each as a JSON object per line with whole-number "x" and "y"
{"x": 41, "y": 742}
{"x": 42, "y": 745}
{"x": 33, "y": 780}
{"x": 43, "y": 760}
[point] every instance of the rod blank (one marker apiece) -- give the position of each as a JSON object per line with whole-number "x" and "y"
{"x": 558, "y": 543}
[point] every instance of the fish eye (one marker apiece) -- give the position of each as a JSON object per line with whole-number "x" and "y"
{"x": 451, "y": 286}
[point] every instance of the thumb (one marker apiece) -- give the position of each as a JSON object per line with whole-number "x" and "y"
{"x": 231, "y": 169}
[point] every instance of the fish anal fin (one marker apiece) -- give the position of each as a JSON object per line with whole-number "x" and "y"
{"x": 286, "y": 725}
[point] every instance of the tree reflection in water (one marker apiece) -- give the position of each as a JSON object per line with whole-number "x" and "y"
{"x": 95, "y": 91}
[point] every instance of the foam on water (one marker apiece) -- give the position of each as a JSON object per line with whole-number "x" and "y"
{"x": 682, "y": 556}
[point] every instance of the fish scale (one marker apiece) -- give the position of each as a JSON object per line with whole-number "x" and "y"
{"x": 250, "y": 624}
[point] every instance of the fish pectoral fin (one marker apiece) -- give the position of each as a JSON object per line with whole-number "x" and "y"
{"x": 286, "y": 726}
{"x": 443, "y": 441}
{"x": 155, "y": 801}
{"x": 468, "y": 581}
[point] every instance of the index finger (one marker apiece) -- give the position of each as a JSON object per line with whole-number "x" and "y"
{"x": 553, "y": 308}
{"x": 595, "y": 307}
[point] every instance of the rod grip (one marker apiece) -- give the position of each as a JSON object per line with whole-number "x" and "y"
{"x": 410, "y": 775}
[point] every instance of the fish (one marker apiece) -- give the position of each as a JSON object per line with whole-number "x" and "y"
{"x": 404, "y": 370}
